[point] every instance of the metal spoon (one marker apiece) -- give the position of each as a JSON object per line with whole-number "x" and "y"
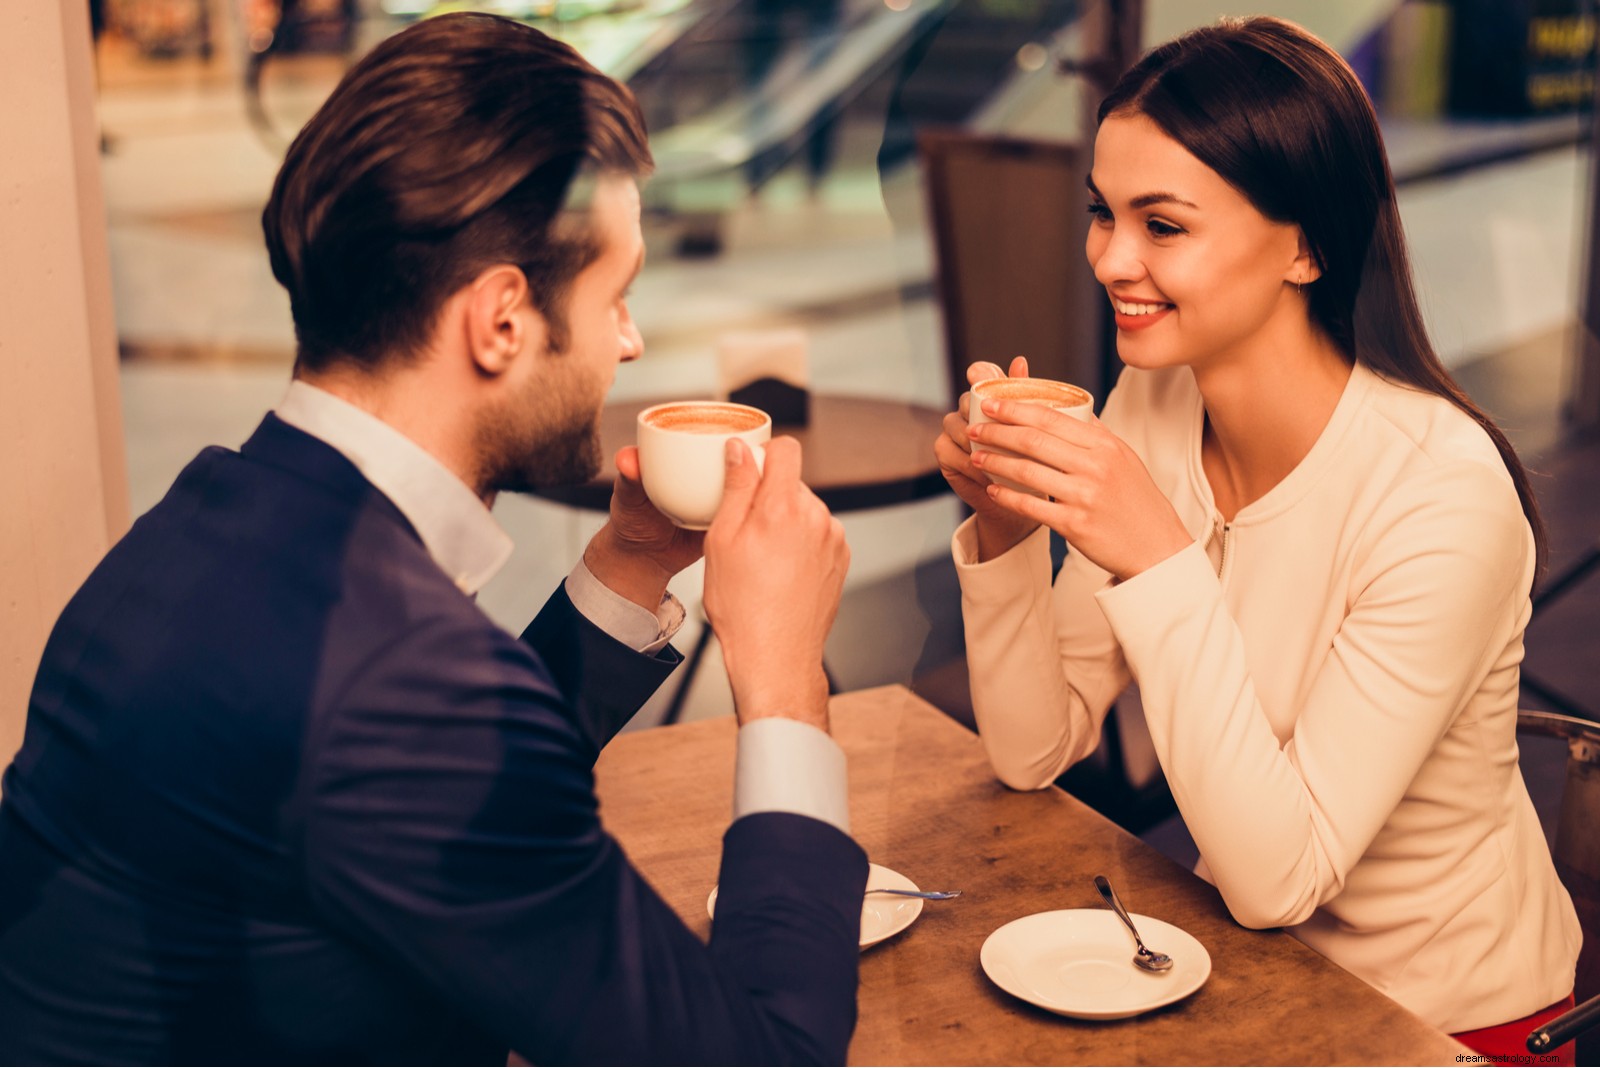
{"x": 1147, "y": 959}
{"x": 928, "y": 895}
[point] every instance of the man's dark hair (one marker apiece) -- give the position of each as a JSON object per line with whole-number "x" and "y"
{"x": 451, "y": 147}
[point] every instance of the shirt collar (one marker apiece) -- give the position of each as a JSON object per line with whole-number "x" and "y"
{"x": 457, "y": 530}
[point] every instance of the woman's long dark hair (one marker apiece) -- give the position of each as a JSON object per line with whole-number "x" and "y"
{"x": 1283, "y": 119}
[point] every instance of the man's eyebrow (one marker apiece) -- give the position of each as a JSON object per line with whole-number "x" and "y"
{"x": 1144, "y": 200}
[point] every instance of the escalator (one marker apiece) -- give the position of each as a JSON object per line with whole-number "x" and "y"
{"x": 735, "y": 90}
{"x": 296, "y": 49}
{"x": 754, "y": 84}
{"x": 754, "y": 80}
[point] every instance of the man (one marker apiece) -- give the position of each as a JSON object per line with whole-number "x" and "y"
{"x": 286, "y": 794}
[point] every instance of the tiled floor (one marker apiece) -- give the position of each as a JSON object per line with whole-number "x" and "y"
{"x": 208, "y": 342}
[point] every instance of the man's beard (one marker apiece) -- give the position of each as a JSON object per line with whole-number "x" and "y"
{"x": 520, "y": 452}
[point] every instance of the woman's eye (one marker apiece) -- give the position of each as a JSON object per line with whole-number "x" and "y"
{"x": 1099, "y": 212}
{"x": 1158, "y": 228}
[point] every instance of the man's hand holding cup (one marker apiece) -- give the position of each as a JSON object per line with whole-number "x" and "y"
{"x": 776, "y": 560}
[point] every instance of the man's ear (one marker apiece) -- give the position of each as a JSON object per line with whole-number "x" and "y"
{"x": 501, "y": 322}
{"x": 1305, "y": 268}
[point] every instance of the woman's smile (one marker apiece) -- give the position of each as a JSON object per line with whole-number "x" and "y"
{"x": 1165, "y": 229}
{"x": 1138, "y": 314}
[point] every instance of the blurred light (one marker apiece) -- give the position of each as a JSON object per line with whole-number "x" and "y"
{"x": 896, "y": 5}
{"x": 1032, "y": 56}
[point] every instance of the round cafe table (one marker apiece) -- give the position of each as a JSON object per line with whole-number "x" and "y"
{"x": 856, "y": 453}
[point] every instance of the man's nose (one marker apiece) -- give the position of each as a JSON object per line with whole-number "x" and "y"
{"x": 632, "y": 341}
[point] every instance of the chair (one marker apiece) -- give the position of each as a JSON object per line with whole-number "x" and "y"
{"x": 1577, "y": 858}
{"x": 1008, "y": 232}
{"x": 1566, "y": 1028}
{"x": 1556, "y": 586}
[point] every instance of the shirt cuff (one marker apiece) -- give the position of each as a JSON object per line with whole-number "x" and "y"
{"x": 788, "y": 766}
{"x": 631, "y": 624}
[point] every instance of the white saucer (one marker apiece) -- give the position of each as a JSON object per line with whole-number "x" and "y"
{"x": 1079, "y": 962}
{"x": 882, "y": 915}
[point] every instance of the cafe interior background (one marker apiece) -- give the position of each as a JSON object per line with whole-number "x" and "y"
{"x": 798, "y": 208}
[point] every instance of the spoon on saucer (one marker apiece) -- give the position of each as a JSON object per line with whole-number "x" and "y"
{"x": 927, "y": 895}
{"x": 1147, "y": 959}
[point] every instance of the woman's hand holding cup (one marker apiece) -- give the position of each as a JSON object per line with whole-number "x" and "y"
{"x": 1079, "y": 479}
{"x": 999, "y": 528}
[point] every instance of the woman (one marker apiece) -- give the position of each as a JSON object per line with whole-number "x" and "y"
{"x": 1291, "y": 527}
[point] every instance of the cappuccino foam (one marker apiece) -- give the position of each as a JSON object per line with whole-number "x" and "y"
{"x": 705, "y": 419}
{"x": 1036, "y": 390}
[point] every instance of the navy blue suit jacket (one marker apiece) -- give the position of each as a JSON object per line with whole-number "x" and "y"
{"x": 287, "y": 795}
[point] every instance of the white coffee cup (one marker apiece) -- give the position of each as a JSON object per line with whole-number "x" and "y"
{"x": 1062, "y": 397}
{"x": 682, "y": 459}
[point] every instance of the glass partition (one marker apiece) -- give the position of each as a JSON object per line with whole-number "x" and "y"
{"x": 790, "y": 195}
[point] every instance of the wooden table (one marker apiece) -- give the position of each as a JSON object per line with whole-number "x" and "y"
{"x": 924, "y": 802}
{"x": 857, "y": 452}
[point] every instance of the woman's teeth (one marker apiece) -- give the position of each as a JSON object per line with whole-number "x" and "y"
{"x": 1138, "y": 309}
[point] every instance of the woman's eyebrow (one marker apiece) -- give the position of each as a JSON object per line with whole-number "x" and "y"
{"x": 1144, "y": 200}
